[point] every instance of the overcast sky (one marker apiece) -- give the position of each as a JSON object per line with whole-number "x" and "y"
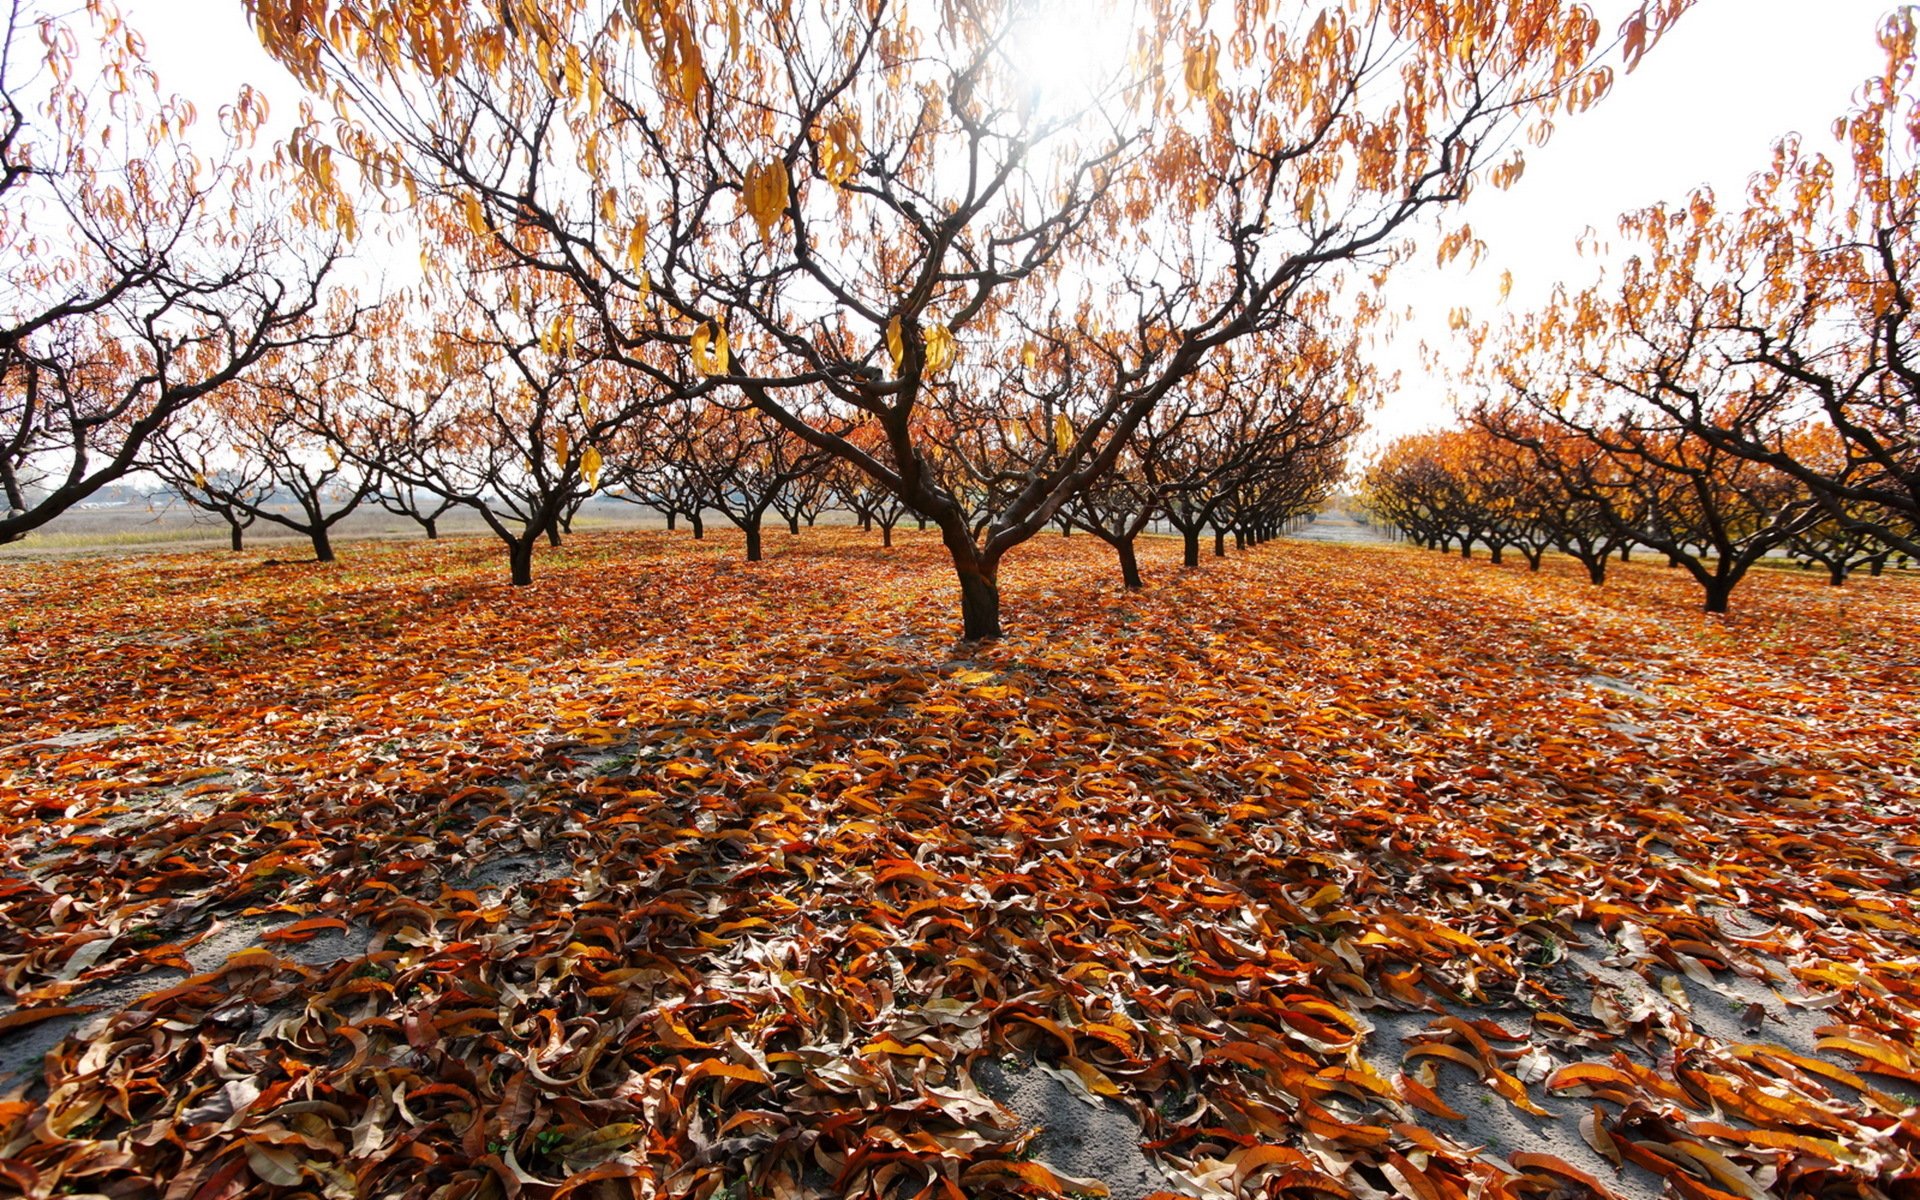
{"x": 1704, "y": 108}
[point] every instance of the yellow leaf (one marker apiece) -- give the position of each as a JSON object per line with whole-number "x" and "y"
{"x": 476, "y": 217}
{"x": 585, "y": 414}
{"x": 590, "y": 464}
{"x": 637, "y": 245}
{"x": 941, "y": 349}
{"x": 1062, "y": 433}
{"x": 840, "y": 152}
{"x": 560, "y": 446}
{"x": 896, "y": 343}
{"x": 199, "y": 480}
{"x": 709, "y": 348}
{"x": 764, "y": 192}
{"x": 1202, "y": 73}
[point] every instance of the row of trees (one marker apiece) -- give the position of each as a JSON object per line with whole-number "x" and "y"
{"x": 526, "y": 437}
{"x": 989, "y": 292}
{"x": 1744, "y": 384}
{"x": 991, "y": 286}
{"x": 1511, "y": 481}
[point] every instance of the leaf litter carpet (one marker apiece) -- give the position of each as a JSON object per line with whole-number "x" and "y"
{"x": 1323, "y": 871}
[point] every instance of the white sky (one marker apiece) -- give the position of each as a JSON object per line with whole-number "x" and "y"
{"x": 1704, "y": 108}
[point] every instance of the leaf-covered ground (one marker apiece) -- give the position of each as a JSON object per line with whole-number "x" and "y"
{"x": 1342, "y": 870}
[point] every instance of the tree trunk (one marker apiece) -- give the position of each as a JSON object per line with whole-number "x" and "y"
{"x": 1129, "y": 564}
{"x": 923, "y": 523}
{"x": 1466, "y": 548}
{"x": 793, "y": 525}
{"x": 433, "y": 528}
{"x": 1495, "y": 559}
{"x": 553, "y": 530}
{"x": 322, "y": 544}
{"x": 672, "y": 518}
{"x": 753, "y": 539}
{"x": 520, "y": 559}
{"x": 886, "y": 533}
{"x": 866, "y": 522}
{"x": 1596, "y": 569}
{"x": 979, "y": 601}
{"x": 1837, "y": 575}
{"x": 1533, "y": 559}
{"x": 1192, "y": 539}
{"x": 239, "y": 535}
{"x": 1719, "y": 591}
{"x": 1220, "y": 543}
{"x": 1624, "y": 552}
{"x": 979, "y": 581}
{"x": 1877, "y": 565}
{"x": 698, "y": 526}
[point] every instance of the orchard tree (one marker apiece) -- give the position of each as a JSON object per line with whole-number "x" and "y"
{"x": 139, "y": 277}
{"x": 1743, "y": 325}
{"x": 746, "y": 464}
{"x": 500, "y": 408}
{"x": 233, "y": 493}
{"x": 861, "y": 212}
{"x": 249, "y": 448}
{"x": 1567, "y": 481}
{"x": 648, "y": 465}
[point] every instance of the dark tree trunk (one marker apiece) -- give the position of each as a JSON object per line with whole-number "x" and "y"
{"x": 698, "y": 526}
{"x": 1192, "y": 539}
{"x": 979, "y": 582}
{"x": 1129, "y": 564}
{"x": 1876, "y": 565}
{"x": 322, "y": 544}
{"x": 866, "y": 522}
{"x": 886, "y": 533}
{"x": 1837, "y": 575}
{"x": 1533, "y": 559}
{"x": 979, "y": 602}
{"x": 433, "y": 528}
{"x": 812, "y": 519}
{"x": 1624, "y": 552}
{"x": 1495, "y": 559}
{"x": 1719, "y": 592}
{"x": 1466, "y": 548}
{"x": 923, "y": 523}
{"x": 553, "y": 531}
{"x": 753, "y": 539}
{"x": 1220, "y": 543}
{"x": 520, "y": 559}
{"x": 672, "y": 519}
{"x": 793, "y": 526}
{"x": 239, "y": 536}
{"x": 1596, "y": 569}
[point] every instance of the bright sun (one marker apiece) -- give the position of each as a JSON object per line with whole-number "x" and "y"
{"x": 1069, "y": 53}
